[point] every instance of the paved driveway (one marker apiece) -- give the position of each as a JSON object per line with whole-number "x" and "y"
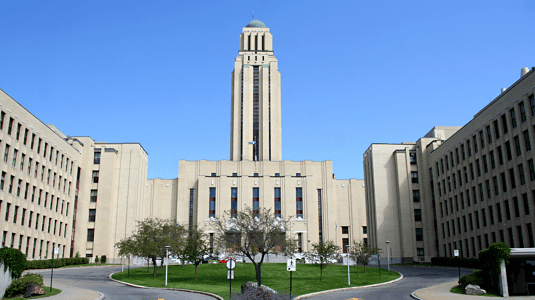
{"x": 415, "y": 278}
{"x": 81, "y": 282}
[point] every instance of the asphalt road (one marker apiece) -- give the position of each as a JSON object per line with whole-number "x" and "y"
{"x": 414, "y": 278}
{"x": 96, "y": 279}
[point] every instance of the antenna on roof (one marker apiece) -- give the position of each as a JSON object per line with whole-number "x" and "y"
{"x": 253, "y": 14}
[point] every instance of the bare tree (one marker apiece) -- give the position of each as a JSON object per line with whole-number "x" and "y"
{"x": 254, "y": 232}
{"x": 322, "y": 254}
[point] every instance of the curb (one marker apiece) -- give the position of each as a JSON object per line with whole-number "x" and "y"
{"x": 413, "y": 294}
{"x": 171, "y": 289}
{"x": 101, "y": 296}
{"x": 349, "y": 288}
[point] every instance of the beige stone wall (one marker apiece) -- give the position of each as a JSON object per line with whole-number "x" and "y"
{"x": 32, "y": 201}
{"x": 337, "y": 195}
{"x": 514, "y": 230}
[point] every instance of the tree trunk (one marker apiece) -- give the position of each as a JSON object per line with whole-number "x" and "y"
{"x": 155, "y": 264}
{"x": 364, "y": 267}
{"x": 259, "y": 273}
{"x": 148, "y": 265}
{"x": 357, "y": 269}
{"x": 321, "y": 274}
{"x": 196, "y": 272}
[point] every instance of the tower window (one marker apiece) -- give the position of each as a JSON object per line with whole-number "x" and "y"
{"x": 299, "y": 202}
{"x": 212, "y": 203}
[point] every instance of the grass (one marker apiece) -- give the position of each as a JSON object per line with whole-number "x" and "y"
{"x": 47, "y": 290}
{"x": 459, "y": 290}
{"x": 212, "y": 277}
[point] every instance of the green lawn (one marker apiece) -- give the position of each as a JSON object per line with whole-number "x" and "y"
{"x": 212, "y": 277}
{"x": 47, "y": 290}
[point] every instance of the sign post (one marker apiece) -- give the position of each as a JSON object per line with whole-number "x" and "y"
{"x": 456, "y": 254}
{"x": 55, "y": 251}
{"x": 231, "y": 264}
{"x": 290, "y": 267}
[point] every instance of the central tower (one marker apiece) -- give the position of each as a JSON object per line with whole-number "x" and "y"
{"x": 256, "y": 102}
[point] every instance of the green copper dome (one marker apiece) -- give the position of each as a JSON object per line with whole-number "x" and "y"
{"x": 257, "y": 24}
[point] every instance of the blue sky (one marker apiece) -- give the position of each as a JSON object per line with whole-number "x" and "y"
{"x": 353, "y": 72}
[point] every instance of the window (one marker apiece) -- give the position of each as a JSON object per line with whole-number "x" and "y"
{"x": 9, "y": 128}
{"x": 414, "y": 177}
{"x": 256, "y": 201}
{"x": 462, "y": 152}
{"x": 496, "y": 187}
{"x": 417, "y": 215}
{"x": 95, "y": 176}
{"x": 507, "y": 210}
{"x": 496, "y": 129}
{"x": 526, "y": 204}
{"x": 516, "y": 206}
{"x": 255, "y": 174}
{"x": 93, "y": 196}
{"x": 191, "y": 203}
{"x": 474, "y": 139}
{"x": 234, "y": 203}
{"x": 211, "y": 212}
{"x": 472, "y": 171}
{"x": 320, "y": 216}
{"x": 478, "y": 168}
{"x": 521, "y": 171}
{"x": 277, "y": 174}
{"x": 504, "y": 124}
{"x": 504, "y": 182}
{"x": 2, "y": 117}
{"x": 527, "y": 142}
{"x": 489, "y": 135}
{"x": 532, "y": 104}
{"x": 234, "y": 174}
{"x": 213, "y": 174}
{"x": 2, "y": 181}
{"x": 513, "y": 117}
{"x": 419, "y": 234}
{"x": 531, "y": 170}
{"x": 298, "y": 174}
{"x": 90, "y": 235}
{"x": 517, "y": 145}
{"x": 457, "y": 155}
{"x": 492, "y": 161}
{"x": 345, "y": 229}
{"x": 522, "y": 112}
{"x": 299, "y": 202}
{"x": 345, "y": 244}
{"x": 412, "y": 158}
{"x": 6, "y": 153}
{"x": 92, "y": 215}
{"x": 491, "y": 215}
{"x": 508, "y": 150}
{"x": 500, "y": 154}
{"x": 15, "y": 215}
{"x": 469, "y": 147}
{"x": 365, "y": 229}
{"x": 415, "y": 195}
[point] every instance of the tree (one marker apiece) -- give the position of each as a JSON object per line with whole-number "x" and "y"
{"x": 254, "y": 232}
{"x": 322, "y": 254}
{"x": 360, "y": 252}
{"x": 195, "y": 247}
{"x": 150, "y": 238}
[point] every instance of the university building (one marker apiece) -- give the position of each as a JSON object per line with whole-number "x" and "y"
{"x": 84, "y": 196}
{"x": 458, "y": 188}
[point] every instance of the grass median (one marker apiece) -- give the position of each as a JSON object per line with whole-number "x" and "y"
{"x": 213, "y": 277}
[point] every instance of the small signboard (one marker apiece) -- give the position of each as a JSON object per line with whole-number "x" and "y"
{"x": 290, "y": 265}
{"x": 231, "y": 264}
{"x": 56, "y": 250}
{"x": 455, "y": 253}
{"x": 230, "y": 274}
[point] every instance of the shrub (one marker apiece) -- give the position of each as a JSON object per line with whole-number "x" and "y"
{"x": 19, "y": 286}
{"x": 475, "y": 278}
{"x": 103, "y": 259}
{"x": 491, "y": 259}
{"x": 259, "y": 294}
{"x": 96, "y": 259}
{"x": 14, "y": 259}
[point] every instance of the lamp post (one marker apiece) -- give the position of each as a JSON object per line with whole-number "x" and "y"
{"x": 167, "y": 262}
{"x": 348, "y": 276}
{"x": 387, "y": 255}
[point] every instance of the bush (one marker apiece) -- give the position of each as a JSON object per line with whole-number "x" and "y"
{"x": 259, "y": 294}
{"x": 96, "y": 259}
{"x": 14, "y": 259}
{"x": 19, "y": 286}
{"x": 475, "y": 278}
{"x": 60, "y": 262}
{"x": 491, "y": 263}
{"x": 103, "y": 259}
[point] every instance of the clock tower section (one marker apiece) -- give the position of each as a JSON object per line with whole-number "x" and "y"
{"x": 256, "y": 98}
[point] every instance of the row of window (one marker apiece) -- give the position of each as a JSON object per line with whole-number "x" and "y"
{"x": 512, "y": 241}
{"x": 255, "y": 203}
{"x": 36, "y": 243}
{"x": 466, "y": 148}
{"x": 52, "y": 228}
{"x": 62, "y": 185}
{"x": 34, "y": 142}
{"x": 254, "y": 174}
{"x": 32, "y": 193}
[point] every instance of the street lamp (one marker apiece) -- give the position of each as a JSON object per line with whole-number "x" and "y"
{"x": 348, "y": 276}
{"x": 167, "y": 262}
{"x": 387, "y": 256}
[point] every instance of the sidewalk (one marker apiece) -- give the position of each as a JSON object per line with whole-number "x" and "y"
{"x": 442, "y": 291}
{"x": 73, "y": 293}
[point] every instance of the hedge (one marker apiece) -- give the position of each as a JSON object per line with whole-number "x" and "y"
{"x": 19, "y": 286}
{"x": 60, "y": 262}
{"x": 475, "y": 278}
{"x": 456, "y": 262}
{"x": 14, "y": 259}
